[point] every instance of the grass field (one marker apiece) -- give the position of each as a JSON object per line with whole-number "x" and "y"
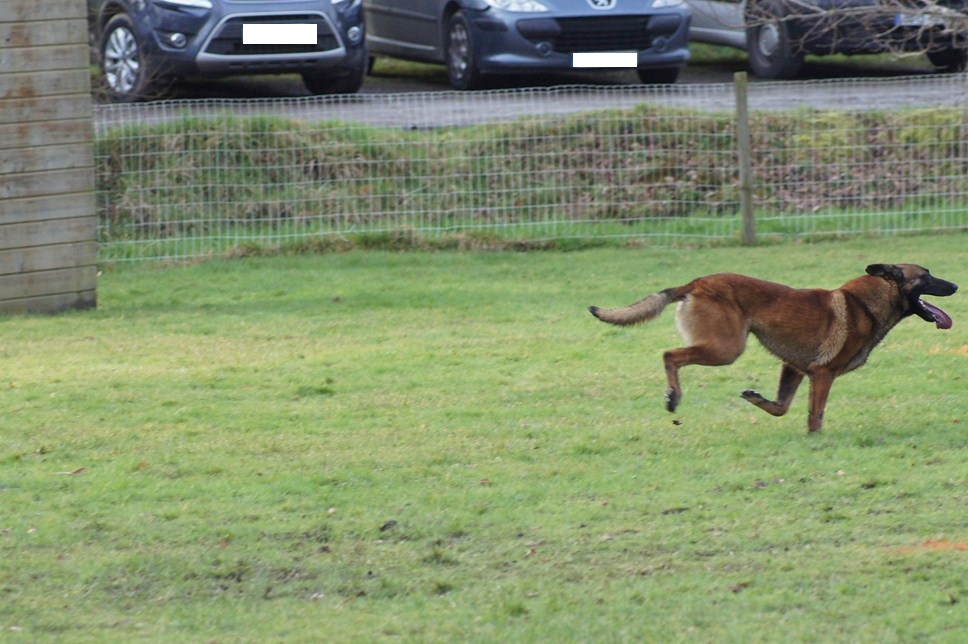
{"x": 442, "y": 447}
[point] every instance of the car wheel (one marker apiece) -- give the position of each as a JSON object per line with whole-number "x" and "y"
{"x": 462, "y": 69}
{"x": 949, "y": 60}
{"x": 658, "y": 76}
{"x": 337, "y": 82}
{"x": 124, "y": 70}
{"x": 772, "y": 53}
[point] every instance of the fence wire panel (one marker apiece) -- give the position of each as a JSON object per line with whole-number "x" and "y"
{"x": 873, "y": 169}
{"x": 185, "y": 179}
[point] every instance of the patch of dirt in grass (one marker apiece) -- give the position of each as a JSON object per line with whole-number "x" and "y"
{"x": 935, "y": 545}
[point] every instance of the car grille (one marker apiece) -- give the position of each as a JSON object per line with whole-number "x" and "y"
{"x": 227, "y": 39}
{"x": 602, "y": 34}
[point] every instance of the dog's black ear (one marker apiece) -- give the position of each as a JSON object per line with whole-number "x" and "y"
{"x": 886, "y": 271}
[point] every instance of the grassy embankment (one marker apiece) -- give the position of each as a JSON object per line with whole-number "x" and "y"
{"x": 213, "y": 184}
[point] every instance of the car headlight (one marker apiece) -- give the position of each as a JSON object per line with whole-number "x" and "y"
{"x": 667, "y": 4}
{"x": 532, "y": 6}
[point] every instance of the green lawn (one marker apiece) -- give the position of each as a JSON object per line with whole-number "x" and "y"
{"x": 446, "y": 447}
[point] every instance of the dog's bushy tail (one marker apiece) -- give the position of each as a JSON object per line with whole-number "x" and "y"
{"x": 642, "y": 311}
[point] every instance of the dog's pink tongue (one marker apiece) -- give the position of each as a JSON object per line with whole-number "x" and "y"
{"x": 941, "y": 319}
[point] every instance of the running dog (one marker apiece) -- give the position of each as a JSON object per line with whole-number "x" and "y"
{"x": 816, "y": 333}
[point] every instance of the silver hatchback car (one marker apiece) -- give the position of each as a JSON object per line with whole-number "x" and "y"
{"x": 777, "y": 34}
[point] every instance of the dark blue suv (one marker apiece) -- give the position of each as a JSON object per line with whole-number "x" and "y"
{"x": 143, "y": 44}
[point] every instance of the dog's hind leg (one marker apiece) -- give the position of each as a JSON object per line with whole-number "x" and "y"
{"x": 790, "y": 380}
{"x": 710, "y": 356}
{"x": 715, "y": 334}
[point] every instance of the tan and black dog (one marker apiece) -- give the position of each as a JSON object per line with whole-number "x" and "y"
{"x": 816, "y": 333}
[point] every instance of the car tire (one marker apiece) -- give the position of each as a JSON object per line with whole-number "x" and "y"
{"x": 665, "y": 76}
{"x": 125, "y": 72}
{"x": 462, "y": 69}
{"x": 772, "y": 52}
{"x": 333, "y": 81}
{"x": 952, "y": 60}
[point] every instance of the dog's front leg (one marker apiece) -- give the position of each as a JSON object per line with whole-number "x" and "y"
{"x": 821, "y": 379}
{"x": 790, "y": 380}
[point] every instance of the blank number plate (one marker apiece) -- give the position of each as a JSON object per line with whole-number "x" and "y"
{"x": 608, "y": 59}
{"x": 278, "y": 34}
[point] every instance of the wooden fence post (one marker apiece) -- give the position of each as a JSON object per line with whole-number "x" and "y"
{"x": 48, "y": 222}
{"x": 744, "y": 151}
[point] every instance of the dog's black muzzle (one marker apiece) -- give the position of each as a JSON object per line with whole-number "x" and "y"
{"x": 941, "y": 288}
{"x": 927, "y": 311}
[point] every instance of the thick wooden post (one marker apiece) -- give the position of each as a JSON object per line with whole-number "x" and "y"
{"x": 48, "y": 223}
{"x": 744, "y": 149}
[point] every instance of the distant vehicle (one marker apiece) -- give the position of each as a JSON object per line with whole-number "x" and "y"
{"x": 143, "y": 44}
{"x": 481, "y": 38}
{"x": 779, "y": 33}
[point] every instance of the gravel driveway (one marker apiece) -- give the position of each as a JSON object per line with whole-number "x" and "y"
{"x": 426, "y": 101}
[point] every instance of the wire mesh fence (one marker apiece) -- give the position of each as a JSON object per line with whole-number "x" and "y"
{"x": 186, "y": 179}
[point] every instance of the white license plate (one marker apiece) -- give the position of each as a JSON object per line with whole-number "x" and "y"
{"x": 604, "y": 59}
{"x": 278, "y": 34}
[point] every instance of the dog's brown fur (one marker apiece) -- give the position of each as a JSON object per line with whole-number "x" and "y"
{"x": 816, "y": 333}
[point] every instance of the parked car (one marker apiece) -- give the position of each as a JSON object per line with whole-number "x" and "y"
{"x": 481, "y": 38}
{"x": 778, "y": 33}
{"x": 142, "y": 44}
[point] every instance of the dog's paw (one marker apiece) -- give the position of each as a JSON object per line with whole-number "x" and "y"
{"x": 752, "y": 396}
{"x": 671, "y": 399}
